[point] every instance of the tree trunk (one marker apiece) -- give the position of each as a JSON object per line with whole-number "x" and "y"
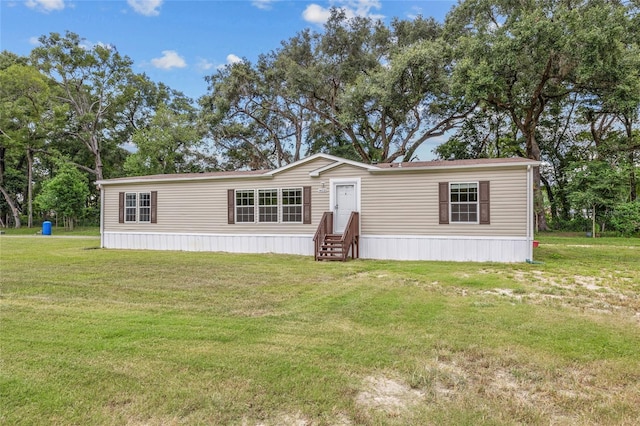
{"x": 98, "y": 165}
{"x": 552, "y": 200}
{"x": 30, "y": 188}
{"x": 533, "y": 152}
{"x": 12, "y": 206}
{"x": 633, "y": 195}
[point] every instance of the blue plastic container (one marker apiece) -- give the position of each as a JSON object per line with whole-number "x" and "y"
{"x": 46, "y": 228}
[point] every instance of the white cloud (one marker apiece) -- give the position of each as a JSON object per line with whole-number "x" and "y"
{"x": 146, "y": 7}
{"x": 204, "y": 65}
{"x": 231, "y": 59}
{"x": 170, "y": 59}
{"x": 263, "y": 4}
{"x": 319, "y": 15}
{"x": 45, "y": 6}
{"x": 34, "y": 41}
{"x": 316, "y": 14}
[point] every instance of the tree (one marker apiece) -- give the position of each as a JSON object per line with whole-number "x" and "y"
{"x": 626, "y": 218}
{"x": 520, "y": 56}
{"x": 360, "y": 89}
{"x": 27, "y": 115}
{"x": 596, "y": 187}
{"x": 65, "y": 194}
{"x": 486, "y": 133}
{"x": 172, "y": 143}
{"x": 252, "y": 118}
{"x": 384, "y": 90}
{"x": 92, "y": 80}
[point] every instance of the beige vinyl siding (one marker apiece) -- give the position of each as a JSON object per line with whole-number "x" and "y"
{"x": 406, "y": 203}
{"x": 200, "y": 206}
{"x": 394, "y": 203}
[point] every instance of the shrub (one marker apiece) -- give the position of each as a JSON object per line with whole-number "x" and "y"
{"x": 626, "y": 218}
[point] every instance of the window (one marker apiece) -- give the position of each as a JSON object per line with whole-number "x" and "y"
{"x": 144, "y": 207}
{"x": 130, "y": 210}
{"x": 464, "y": 202}
{"x": 292, "y": 205}
{"x": 268, "y": 205}
{"x": 277, "y": 205}
{"x": 245, "y": 206}
{"x": 138, "y": 207}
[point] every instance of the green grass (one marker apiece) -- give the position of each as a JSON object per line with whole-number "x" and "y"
{"x": 93, "y": 336}
{"x": 55, "y": 231}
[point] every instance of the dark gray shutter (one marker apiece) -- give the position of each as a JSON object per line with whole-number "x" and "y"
{"x": 443, "y": 203}
{"x": 485, "y": 211}
{"x": 121, "y": 207}
{"x": 154, "y": 206}
{"x": 306, "y": 204}
{"x": 231, "y": 206}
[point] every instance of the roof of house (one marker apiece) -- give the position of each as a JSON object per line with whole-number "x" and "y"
{"x": 336, "y": 161}
{"x": 456, "y": 163}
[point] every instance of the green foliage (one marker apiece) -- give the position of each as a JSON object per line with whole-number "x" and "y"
{"x": 550, "y": 80}
{"x": 596, "y": 183}
{"x": 625, "y": 218}
{"x": 382, "y": 90}
{"x": 92, "y": 83}
{"x": 170, "y": 144}
{"x": 65, "y": 194}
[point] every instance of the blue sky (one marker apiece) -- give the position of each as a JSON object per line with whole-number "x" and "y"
{"x": 179, "y": 42}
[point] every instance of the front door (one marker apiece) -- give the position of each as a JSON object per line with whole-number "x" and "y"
{"x": 345, "y": 203}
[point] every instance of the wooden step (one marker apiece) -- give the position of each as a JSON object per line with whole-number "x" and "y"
{"x": 322, "y": 256}
{"x": 328, "y": 244}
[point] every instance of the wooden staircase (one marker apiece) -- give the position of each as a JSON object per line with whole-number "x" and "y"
{"x": 330, "y": 246}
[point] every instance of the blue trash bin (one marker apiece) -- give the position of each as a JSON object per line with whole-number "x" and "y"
{"x": 46, "y": 228}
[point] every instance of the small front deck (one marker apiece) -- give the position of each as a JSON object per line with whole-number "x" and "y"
{"x": 332, "y": 246}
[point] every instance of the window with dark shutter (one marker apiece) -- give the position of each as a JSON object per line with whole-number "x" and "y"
{"x": 306, "y": 204}
{"x": 443, "y": 203}
{"x": 485, "y": 211}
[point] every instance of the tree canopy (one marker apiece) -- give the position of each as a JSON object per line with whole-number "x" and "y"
{"x": 557, "y": 82}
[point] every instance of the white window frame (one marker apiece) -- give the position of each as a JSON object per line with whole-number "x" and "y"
{"x": 141, "y": 207}
{"x": 260, "y": 206}
{"x": 477, "y": 203}
{"x": 301, "y": 205}
{"x": 280, "y": 206}
{"x": 236, "y": 206}
{"x": 128, "y": 208}
{"x": 137, "y": 207}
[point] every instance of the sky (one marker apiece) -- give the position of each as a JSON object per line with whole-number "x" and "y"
{"x": 179, "y": 42}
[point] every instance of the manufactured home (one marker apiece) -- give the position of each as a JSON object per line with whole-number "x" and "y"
{"x": 332, "y": 208}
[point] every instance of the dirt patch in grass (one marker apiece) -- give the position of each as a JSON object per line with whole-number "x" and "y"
{"x": 388, "y": 395}
{"x": 526, "y": 392}
{"x": 604, "y": 295}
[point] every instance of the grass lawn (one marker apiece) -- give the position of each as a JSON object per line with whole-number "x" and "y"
{"x": 55, "y": 231}
{"x": 93, "y": 336}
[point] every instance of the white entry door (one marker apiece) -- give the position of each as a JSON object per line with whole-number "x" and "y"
{"x": 345, "y": 203}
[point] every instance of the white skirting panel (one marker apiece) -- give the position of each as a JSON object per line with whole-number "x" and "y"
{"x": 397, "y": 247}
{"x": 284, "y": 244}
{"x": 446, "y": 248}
